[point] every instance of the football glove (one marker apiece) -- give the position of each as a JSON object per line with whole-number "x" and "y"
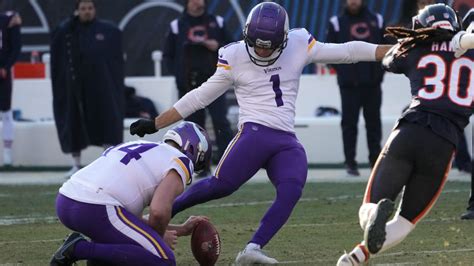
{"x": 141, "y": 127}
{"x": 456, "y": 43}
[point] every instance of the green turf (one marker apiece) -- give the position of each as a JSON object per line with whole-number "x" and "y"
{"x": 322, "y": 226}
{"x": 22, "y": 168}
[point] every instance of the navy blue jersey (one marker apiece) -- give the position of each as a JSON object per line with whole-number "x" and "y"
{"x": 10, "y": 41}
{"x": 10, "y": 46}
{"x": 442, "y": 87}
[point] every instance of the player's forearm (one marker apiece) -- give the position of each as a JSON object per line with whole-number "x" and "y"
{"x": 201, "y": 97}
{"x": 159, "y": 221}
{"x": 167, "y": 118}
{"x": 345, "y": 53}
{"x": 381, "y": 51}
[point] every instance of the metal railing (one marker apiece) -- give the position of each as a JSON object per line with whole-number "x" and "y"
{"x": 156, "y": 56}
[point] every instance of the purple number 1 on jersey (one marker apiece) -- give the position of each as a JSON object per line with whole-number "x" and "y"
{"x": 275, "y": 79}
{"x": 135, "y": 153}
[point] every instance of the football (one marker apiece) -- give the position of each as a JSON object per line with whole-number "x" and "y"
{"x": 205, "y": 243}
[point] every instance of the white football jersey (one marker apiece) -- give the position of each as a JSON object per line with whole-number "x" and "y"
{"x": 267, "y": 95}
{"x": 127, "y": 175}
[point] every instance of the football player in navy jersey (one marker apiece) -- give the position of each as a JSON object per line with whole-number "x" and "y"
{"x": 418, "y": 154}
{"x": 10, "y": 47}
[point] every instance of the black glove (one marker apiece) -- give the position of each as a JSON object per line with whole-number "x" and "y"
{"x": 141, "y": 127}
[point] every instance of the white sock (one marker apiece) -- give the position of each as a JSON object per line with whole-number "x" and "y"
{"x": 365, "y": 212}
{"x": 361, "y": 253}
{"x": 252, "y": 246}
{"x": 7, "y": 125}
{"x": 397, "y": 229}
{"x": 7, "y": 156}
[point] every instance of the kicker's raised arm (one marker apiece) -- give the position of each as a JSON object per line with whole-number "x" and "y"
{"x": 196, "y": 99}
{"x": 347, "y": 53}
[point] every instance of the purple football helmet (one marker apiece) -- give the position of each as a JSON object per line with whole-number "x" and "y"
{"x": 266, "y": 27}
{"x": 194, "y": 143}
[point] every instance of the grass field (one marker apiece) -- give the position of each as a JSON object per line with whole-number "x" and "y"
{"x": 321, "y": 227}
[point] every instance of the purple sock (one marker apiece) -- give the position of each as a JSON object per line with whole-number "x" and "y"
{"x": 118, "y": 254}
{"x": 288, "y": 195}
{"x": 205, "y": 190}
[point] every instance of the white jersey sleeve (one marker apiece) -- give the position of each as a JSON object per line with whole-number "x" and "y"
{"x": 209, "y": 91}
{"x": 127, "y": 175}
{"x": 343, "y": 53}
{"x": 184, "y": 167}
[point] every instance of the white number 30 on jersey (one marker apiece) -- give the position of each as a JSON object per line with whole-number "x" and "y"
{"x": 437, "y": 81}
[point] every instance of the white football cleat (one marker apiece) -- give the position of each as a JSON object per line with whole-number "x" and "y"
{"x": 347, "y": 260}
{"x": 253, "y": 255}
{"x": 7, "y": 157}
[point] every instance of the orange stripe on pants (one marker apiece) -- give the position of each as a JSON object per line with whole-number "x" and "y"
{"x": 436, "y": 196}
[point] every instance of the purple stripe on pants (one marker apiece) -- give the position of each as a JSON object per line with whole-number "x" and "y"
{"x": 113, "y": 241}
{"x": 256, "y": 147}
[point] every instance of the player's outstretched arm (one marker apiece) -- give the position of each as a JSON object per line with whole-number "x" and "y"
{"x": 347, "y": 53}
{"x": 145, "y": 126}
{"x": 194, "y": 100}
{"x": 381, "y": 51}
{"x": 167, "y": 118}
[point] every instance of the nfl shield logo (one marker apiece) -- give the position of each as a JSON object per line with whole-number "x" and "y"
{"x": 446, "y": 15}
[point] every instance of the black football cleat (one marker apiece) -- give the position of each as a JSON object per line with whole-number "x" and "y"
{"x": 469, "y": 215}
{"x": 352, "y": 170}
{"x": 374, "y": 235}
{"x": 63, "y": 256}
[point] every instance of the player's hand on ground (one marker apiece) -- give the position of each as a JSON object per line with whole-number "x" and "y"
{"x": 141, "y": 127}
{"x": 191, "y": 222}
{"x": 171, "y": 238}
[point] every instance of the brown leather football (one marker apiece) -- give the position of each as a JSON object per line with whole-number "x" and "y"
{"x": 205, "y": 244}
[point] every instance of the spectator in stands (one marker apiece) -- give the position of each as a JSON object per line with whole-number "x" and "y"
{"x": 190, "y": 53}
{"x": 138, "y": 106}
{"x": 461, "y": 6}
{"x": 87, "y": 80}
{"x": 359, "y": 83}
{"x": 10, "y": 47}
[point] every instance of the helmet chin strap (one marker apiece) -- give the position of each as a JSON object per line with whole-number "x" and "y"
{"x": 263, "y": 61}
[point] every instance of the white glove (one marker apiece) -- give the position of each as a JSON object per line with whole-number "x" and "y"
{"x": 470, "y": 29}
{"x": 456, "y": 44}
